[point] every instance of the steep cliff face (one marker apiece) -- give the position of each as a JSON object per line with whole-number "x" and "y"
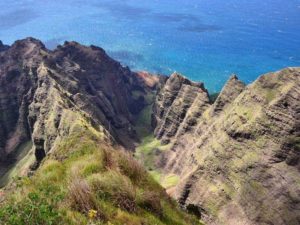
{"x": 68, "y": 120}
{"x": 240, "y": 164}
{"x": 231, "y": 90}
{"x": 177, "y": 106}
{"x": 43, "y": 91}
{"x": 234, "y": 161}
{"x": 18, "y": 65}
{"x": 100, "y": 87}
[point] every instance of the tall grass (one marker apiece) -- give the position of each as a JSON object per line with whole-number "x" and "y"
{"x": 86, "y": 181}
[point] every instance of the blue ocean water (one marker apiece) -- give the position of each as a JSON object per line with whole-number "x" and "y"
{"x": 206, "y": 40}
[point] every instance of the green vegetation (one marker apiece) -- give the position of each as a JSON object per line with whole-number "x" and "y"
{"x": 167, "y": 181}
{"x": 85, "y": 181}
{"x": 147, "y": 152}
{"x": 156, "y": 175}
{"x": 137, "y": 94}
{"x": 271, "y": 94}
{"x": 149, "y": 143}
{"x": 36, "y": 208}
{"x": 149, "y": 149}
{"x": 170, "y": 180}
{"x": 143, "y": 126}
{"x": 143, "y": 123}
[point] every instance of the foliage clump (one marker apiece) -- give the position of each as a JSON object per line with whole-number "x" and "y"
{"x": 38, "y": 207}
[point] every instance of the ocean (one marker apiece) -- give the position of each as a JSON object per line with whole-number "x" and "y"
{"x": 205, "y": 40}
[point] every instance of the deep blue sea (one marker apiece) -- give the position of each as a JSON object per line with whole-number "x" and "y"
{"x": 206, "y": 40}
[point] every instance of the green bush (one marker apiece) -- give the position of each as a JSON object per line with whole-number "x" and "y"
{"x": 35, "y": 209}
{"x": 113, "y": 186}
{"x": 81, "y": 197}
{"x": 131, "y": 168}
{"x": 150, "y": 201}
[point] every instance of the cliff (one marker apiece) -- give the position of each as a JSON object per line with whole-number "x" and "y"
{"x": 240, "y": 162}
{"x": 68, "y": 121}
{"x": 177, "y": 105}
{"x": 40, "y": 90}
{"x": 71, "y": 118}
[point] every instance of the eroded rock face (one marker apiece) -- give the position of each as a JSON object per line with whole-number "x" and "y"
{"x": 177, "y": 106}
{"x": 240, "y": 164}
{"x": 237, "y": 159}
{"x": 231, "y": 90}
{"x": 43, "y": 92}
{"x": 17, "y": 84}
{"x": 99, "y": 86}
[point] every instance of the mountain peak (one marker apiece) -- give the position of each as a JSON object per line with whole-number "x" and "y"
{"x": 233, "y": 77}
{"x": 230, "y": 91}
{"x": 3, "y": 47}
{"x": 28, "y": 42}
{"x": 179, "y": 79}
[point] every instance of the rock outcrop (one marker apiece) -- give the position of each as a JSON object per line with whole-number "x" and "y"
{"x": 235, "y": 161}
{"x": 68, "y": 121}
{"x": 177, "y": 105}
{"x": 231, "y": 90}
{"x": 18, "y": 65}
{"x": 240, "y": 164}
{"x": 42, "y": 92}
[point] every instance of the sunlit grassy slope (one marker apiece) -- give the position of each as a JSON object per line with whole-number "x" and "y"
{"x": 86, "y": 181}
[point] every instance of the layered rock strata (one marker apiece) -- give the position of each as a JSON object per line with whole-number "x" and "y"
{"x": 42, "y": 92}
{"x": 240, "y": 164}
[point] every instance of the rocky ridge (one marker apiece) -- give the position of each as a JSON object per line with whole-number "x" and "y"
{"x": 177, "y": 106}
{"x": 235, "y": 160}
{"x": 42, "y": 91}
{"x": 68, "y": 123}
{"x": 240, "y": 162}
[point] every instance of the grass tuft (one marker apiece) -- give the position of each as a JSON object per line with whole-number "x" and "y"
{"x": 80, "y": 196}
{"x": 131, "y": 168}
{"x": 113, "y": 186}
{"x": 150, "y": 201}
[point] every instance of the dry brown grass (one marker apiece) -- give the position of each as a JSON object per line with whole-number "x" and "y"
{"x": 108, "y": 159}
{"x": 150, "y": 201}
{"x": 81, "y": 198}
{"x": 125, "y": 201}
{"x": 116, "y": 188}
{"x": 132, "y": 168}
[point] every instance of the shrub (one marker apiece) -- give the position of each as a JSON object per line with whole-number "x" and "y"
{"x": 85, "y": 166}
{"x": 34, "y": 209}
{"x": 150, "y": 201}
{"x": 108, "y": 159}
{"x": 113, "y": 186}
{"x": 80, "y": 196}
{"x": 91, "y": 168}
{"x": 131, "y": 168}
{"x": 51, "y": 172}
